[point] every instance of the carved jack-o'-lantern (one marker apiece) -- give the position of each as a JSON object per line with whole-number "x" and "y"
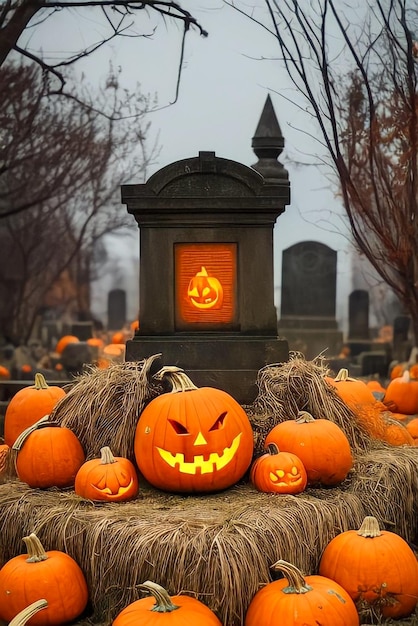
{"x": 193, "y": 440}
{"x": 204, "y": 291}
{"x": 109, "y": 479}
{"x": 278, "y": 472}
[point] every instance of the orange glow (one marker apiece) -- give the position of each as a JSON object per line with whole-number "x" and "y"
{"x": 206, "y": 277}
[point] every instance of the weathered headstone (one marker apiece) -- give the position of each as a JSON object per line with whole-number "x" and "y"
{"x": 82, "y": 330}
{"x": 401, "y": 342}
{"x": 116, "y": 309}
{"x": 206, "y": 297}
{"x": 358, "y": 314}
{"x": 307, "y": 319}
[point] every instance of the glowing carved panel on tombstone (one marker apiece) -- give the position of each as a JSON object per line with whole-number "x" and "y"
{"x": 205, "y": 285}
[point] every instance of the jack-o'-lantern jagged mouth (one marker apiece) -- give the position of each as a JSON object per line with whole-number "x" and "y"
{"x": 206, "y": 466}
{"x": 282, "y": 479}
{"x": 121, "y": 490}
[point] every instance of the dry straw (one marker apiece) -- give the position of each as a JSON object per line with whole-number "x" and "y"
{"x": 217, "y": 547}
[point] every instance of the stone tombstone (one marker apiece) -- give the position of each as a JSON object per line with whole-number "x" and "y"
{"x": 401, "y": 342}
{"x": 116, "y": 309}
{"x": 358, "y": 315}
{"x": 206, "y": 294}
{"x": 308, "y": 299}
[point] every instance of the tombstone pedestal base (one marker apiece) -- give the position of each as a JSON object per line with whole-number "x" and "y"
{"x": 228, "y": 363}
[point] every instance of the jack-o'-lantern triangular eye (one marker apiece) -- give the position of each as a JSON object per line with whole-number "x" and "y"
{"x": 179, "y": 428}
{"x": 219, "y": 422}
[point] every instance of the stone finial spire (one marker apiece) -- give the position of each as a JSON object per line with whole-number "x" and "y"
{"x": 268, "y": 144}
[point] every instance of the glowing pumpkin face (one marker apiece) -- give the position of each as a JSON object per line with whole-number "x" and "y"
{"x": 278, "y": 472}
{"x": 204, "y": 291}
{"x": 193, "y": 440}
{"x": 109, "y": 479}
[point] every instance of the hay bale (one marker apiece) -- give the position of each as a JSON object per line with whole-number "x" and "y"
{"x": 103, "y": 406}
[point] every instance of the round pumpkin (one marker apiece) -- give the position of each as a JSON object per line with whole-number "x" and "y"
{"x": 160, "y": 609}
{"x": 320, "y": 444}
{"x": 52, "y": 575}
{"x": 352, "y": 391}
{"x": 28, "y": 405}
{"x": 4, "y": 373}
{"x": 296, "y": 600}
{"x": 278, "y": 472}
{"x": 24, "y": 616}
{"x": 112, "y": 479}
{"x": 118, "y": 337}
{"x": 64, "y": 341}
{"x": 376, "y": 567}
{"x": 48, "y": 455}
{"x": 192, "y": 439}
{"x": 412, "y": 427}
{"x": 402, "y": 394}
{"x": 396, "y": 434}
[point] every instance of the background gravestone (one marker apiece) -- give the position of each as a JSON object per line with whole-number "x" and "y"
{"x": 309, "y": 280}
{"x": 116, "y": 309}
{"x": 358, "y": 315}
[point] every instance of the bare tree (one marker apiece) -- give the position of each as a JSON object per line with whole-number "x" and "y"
{"x": 61, "y": 167}
{"x": 356, "y": 68}
{"x": 121, "y": 18}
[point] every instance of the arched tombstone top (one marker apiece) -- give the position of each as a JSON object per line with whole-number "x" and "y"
{"x": 205, "y": 175}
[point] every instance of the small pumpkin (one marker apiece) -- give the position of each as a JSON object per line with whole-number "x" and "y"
{"x": 402, "y": 394}
{"x": 4, "y": 373}
{"x": 298, "y": 600}
{"x": 111, "y": 479}
{"x": 24, "y": 616}
{"x": 412, "y": 427}
{"x": 278, "y": 472}
{"x": 321, "y": 445}
{"x": 160, "y": 608}
{"x": 396, "y": 434}
{"x": 192, "y": 439}
{"x": 53, "y": 575}
{"x": 48, "y": 455}
{"x": 64, "y": 341}
{"x": 118, "y": 337}
{"x": 352, "y": 391}
{"x": 376, "y": 567}
{"x": 28, "y": 405}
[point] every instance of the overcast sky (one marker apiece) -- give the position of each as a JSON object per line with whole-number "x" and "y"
{"x": 224, "y": 84}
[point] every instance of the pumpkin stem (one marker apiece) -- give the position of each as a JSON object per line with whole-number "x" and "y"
{"x": 297, "y": 583}
{"x": 177, "y": 377}
{"x": 36, "y": 551}
{"x": 106, "y": 456}
{"x": 25, "y": 434}
{"x": 343, "y": 376}
{"x": 303, "y": 417}
{"x": 24, "y": 616}
{"x": 273, "y": 448}
{"x": 163, "y": 602}
{"x": 369, "y": 527}
{"x": 40, "y": 382}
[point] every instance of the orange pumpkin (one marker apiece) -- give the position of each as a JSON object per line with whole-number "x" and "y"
{"x": 52, "y": 575}
{"x": 48, "y": 455}
{"x": 160, "y": 608}
{"x": 321, "y": 445}
{"x": 118, "y": 337}
{"x": 64, "y": 342}
{"x": 96, "y": 342}
{"x": 296, "y": 600}
{"x": 4, "y": 373}
{"x": 396, "y": 434}
{"x": 412, "y": 427}
{"x": 352, "y": 391}
{"x": 376, "y": 567}
{"x": 278, "y": 472}
{"x": 397, "y": 370}
{"x": 375, "y": 386}
{"x": 112, "y": 479}
{"x": 28, "y": 405}
{"x": 402, "y": 394}
{"x": 192, "y": 440}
